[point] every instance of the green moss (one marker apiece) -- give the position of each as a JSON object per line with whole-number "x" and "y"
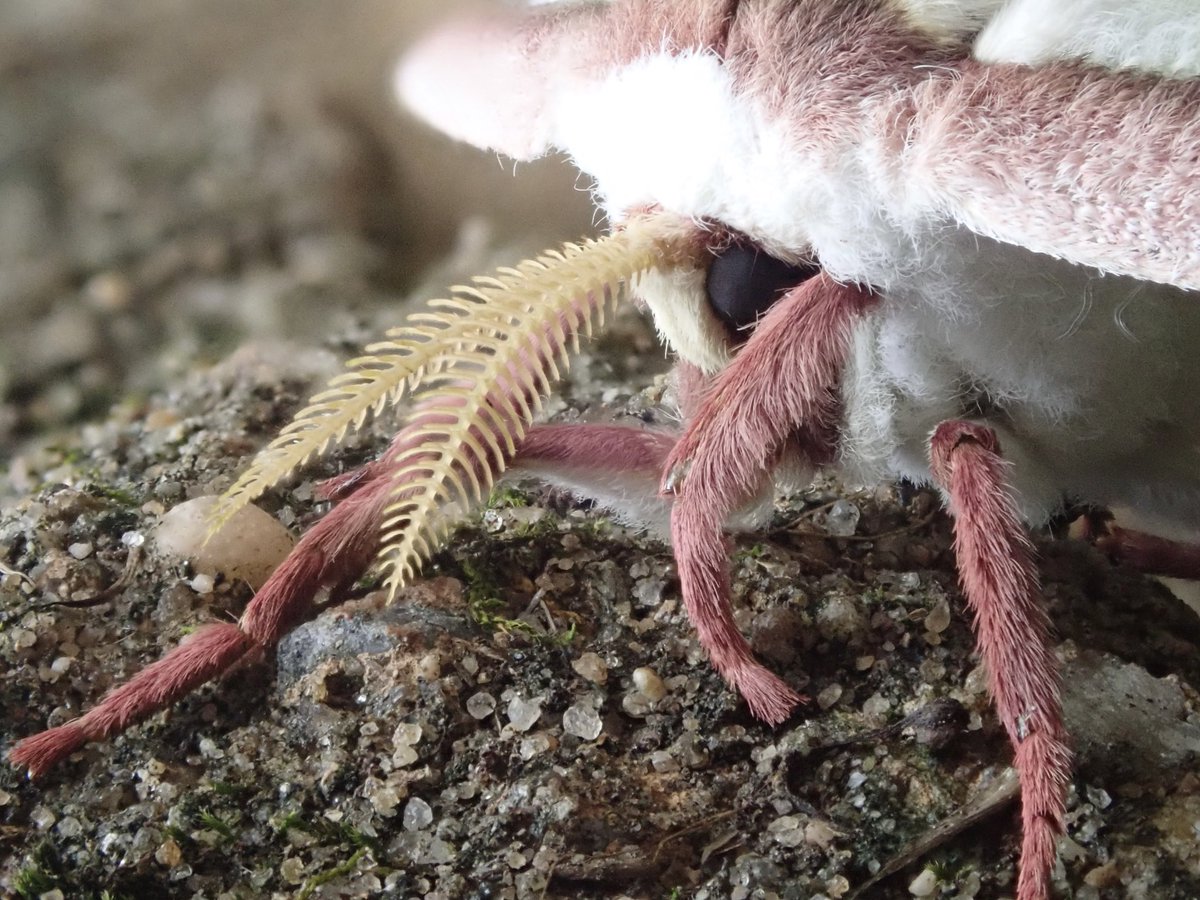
{"x": 40, "y": 874}
{"x": 214, "y": 822}
{"x": 329, "y": 875}
{"x": 507, "y": 497}
{"x": 114, "y": 494}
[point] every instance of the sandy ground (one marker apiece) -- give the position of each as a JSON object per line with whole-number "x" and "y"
{"x": 203, "y": 207}
{"x": 179, "y": 178}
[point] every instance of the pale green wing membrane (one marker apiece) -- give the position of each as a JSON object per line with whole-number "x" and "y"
{"x": 478, "y": 364}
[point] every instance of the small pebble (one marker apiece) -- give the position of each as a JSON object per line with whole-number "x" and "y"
{"x": 829, "y": 696}
{"x": 69, "y": 827}
{"x": 649, "y": 591}
{"x": 938, "y": 619}
{"x": 819, "y": 833}
{"x": 23, "y": 638}
{"x": 429, "y": 666}
{"x": 1098, "y": 797}
{"x": 536, "y": 745}
{"x": 385, "y": 800}
{"x": 42, "y": 819}
{"x": 417, "y": 814}
{"x": 407, "y": 734}
{"x": 481, "y": 705}
{"x": 648, "y": 683}
{"x": 80, "y": 550}
{"x": 202, "y": 584}
{"x": 837, "y": 886}
{"x": 841, "y": 619}
{"x": 592, "y": 667}
{"x": 439, "y": 853}
{"x": 168, "y": 854}
{"x": 787, "y": 830}
{"x": 842, "y": 519}
{"x": 292, "y": 870}
{"x": 876, "y": 706}
{"x": 637, "y": 705}
{"x": 1104, "y": 876}
{"x": 582, "y": 721}
{"x": 924, "y": 885}
{"x": 403, "y": 757}
{"x": 662, "y": 761}
{"x": 523, "y": 714}
{"x": 249, "y": 547}
{"x": 210, "y": 749}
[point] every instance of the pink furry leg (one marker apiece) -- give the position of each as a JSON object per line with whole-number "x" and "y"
{"x": 337, "y": 548}
{"x": 781, "y": 383}
{"x": 616, "y": 466}
{"x": 606, "y": 448}
{"x": 331, "y": 555}
{"x": 999, "y": 578}
{"x": 1151, "y": 554}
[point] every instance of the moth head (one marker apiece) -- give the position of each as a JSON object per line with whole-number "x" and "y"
{"x": 477, "y": 364}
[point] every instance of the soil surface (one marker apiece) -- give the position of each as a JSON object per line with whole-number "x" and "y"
{"x": 201, "y": 212}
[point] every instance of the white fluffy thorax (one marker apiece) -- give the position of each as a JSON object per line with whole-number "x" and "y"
{"x": 674, "y": 130}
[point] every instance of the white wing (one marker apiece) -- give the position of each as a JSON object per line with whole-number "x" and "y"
{"x": 1156, "y": 36}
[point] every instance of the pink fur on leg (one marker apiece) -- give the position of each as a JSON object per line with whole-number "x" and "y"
{"x": 781, "y": 383}
{"x": 337, "y": 549}
{"x": 331, "y": 555}
{"x": 205, "y": 654}
{"x": 996, "y": 567}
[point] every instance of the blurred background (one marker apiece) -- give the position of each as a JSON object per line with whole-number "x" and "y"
{"x": 180, "y": 177}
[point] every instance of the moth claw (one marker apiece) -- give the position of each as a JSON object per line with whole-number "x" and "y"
{"x": 675, "y": 477}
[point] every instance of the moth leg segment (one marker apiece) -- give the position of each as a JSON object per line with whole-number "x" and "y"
{"x": 780, "y": 387}
{"x": 333, "y": 554}
{"x": 1000, "y": 581}
{"x": 1149, "y": 553}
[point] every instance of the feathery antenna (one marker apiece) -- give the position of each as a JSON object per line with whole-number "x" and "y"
{"x": 481, "y": 362}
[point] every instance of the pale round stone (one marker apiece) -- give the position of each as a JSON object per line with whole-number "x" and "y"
{"x": 523, "y": 714}
{"x": 592, "y": 667}
{"x": 583, "y": 722}
{"x": 924, "y": 885}
{"x": 646, "y": 680}
{"x": 248, "y": 548}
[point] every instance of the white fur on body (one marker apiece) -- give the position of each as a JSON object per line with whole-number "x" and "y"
{"x": 1087, "y": 378}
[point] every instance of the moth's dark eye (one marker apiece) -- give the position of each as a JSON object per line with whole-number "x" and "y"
{"x": 743, "y": 283}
